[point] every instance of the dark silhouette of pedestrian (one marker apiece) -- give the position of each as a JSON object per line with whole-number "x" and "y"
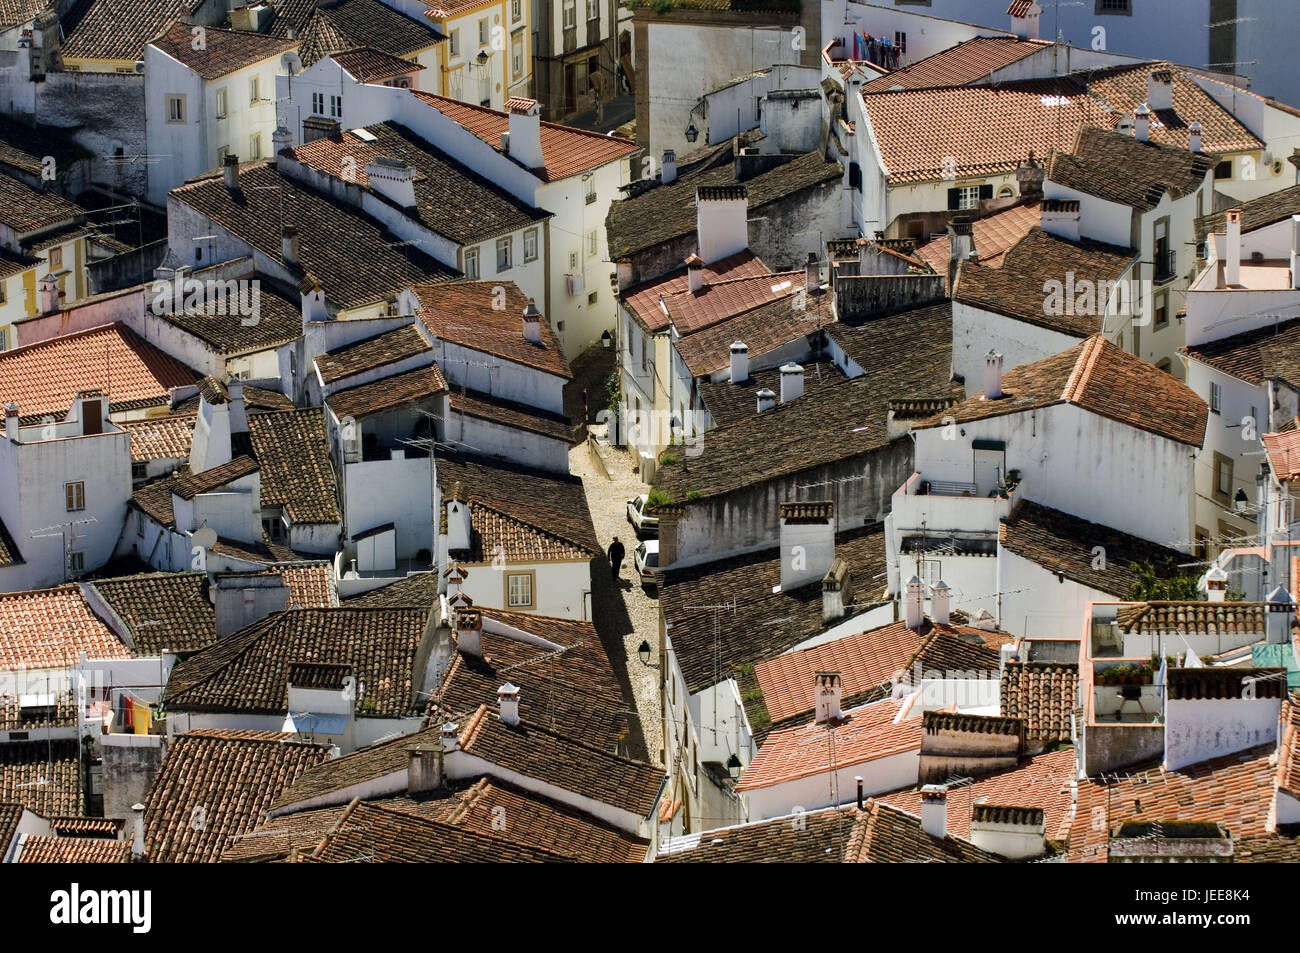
{"x": 616, "y": 554}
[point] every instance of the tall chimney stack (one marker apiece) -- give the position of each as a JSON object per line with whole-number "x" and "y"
{"x": 137, "y": 832}
{"x": 668, "y": 171}
{"x": 913, "y": 615}
{"x": 992, "y": 375}
{"x": 1194, "y": 136}
{"x": 940, "y": 601}
{"x": 13, "y": 425}
{"x": 532, "y": 323}
{"x": 695, "y": 274}
{"x": 525, "y": 132}
{"x": 829, "y": 689}
{"x": 739, "y": 362}
{"x": 791, "y": 382}
{"x": 1142, "y": 123}
{"x": 424, "y": 768}
{"x": 289, "y": 245}
{"x": 934, "y": 810}
{"x": 508, "y": 701}
{"x": 1232, "y": 250}
{"x": 230, "y": 171}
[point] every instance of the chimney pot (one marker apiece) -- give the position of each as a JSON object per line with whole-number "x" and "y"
{"x": 1160, "y": 90}
{"x": 766, "y": 400}
{"x": 393, "y": 179}
{"x": 739, "y": 362}
{"x": 992, "y": 375}
{"x": 13, "y": 428}
{"x": 424, "y": 768}
{"x": 829, "y": 688}
{"x": 137, "y": 832}
{"x": 508, "y": 700}
{"x": 525, "y": 136}
{"x": 807, "y": 542}
{"x": 859, "y": 780}
{"x": 721, "y": 221}
{"x": 230, "y": 171}
{"x": 812, "y": 279}
{"x": 1232, "y": 250}
{"x": 532, "y": 323}
{"x": 940, "y": 596}
{"x": 1281, "y": 613}
{"x": 668, "y": 171}
{"x": 791, "y": 382}
{"x": 1142, "y": 123}
{"x": 912, "y": 614}
{"x": 289, "y": 245}
{"x": 450, "y": 737}
{"x": 934, "y": 810}
{"x": 695, "y": 274}
{"x": 1194, "y": 136}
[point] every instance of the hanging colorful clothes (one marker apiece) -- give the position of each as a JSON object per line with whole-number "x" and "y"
{"x": 141, "y": 717}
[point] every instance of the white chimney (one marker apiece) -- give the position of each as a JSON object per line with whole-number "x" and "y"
{"x": 668, "y": 171}
{"x": 423, "y": 768}
{"x": 47, "y": 294}
{"x": 1216, "y": 584}
{"x": 393, "y": 179}
{"x": 1060, "y": 217}
{"x": 281, "y": 139}
{"x": 721, "y": 221}
{"x": 695, "y": 274}
{"x": 766, "y": 400}
{"x": 289, "y": 245}
{"x": 1142, "y": 123}
{"x": 459, "y": 531}
{"x": 912, "y": 614}
{"x": 469, "y": 631}
{"x": 508, "y": 700}
{"x": 961, "y": 239}
{"x": 934, "y": 810}
{"x": 1160, "y": 90}
{"x": 828, "y": 687}
{"x": 137, "y": 832}
{"x": 230, "y": 171}
{"x": 1281, "y": 613}
{"x": 313, "y": 301}
{"x": 807, "y": 538}
{"x": 450, "y": 737}
{"x": 940, "y": 598}
{"x": 739, "y": 362}
{"x": 812, "y": 275}
{"x": 532, "y": 322}
{"x": 1232, "y": 249}
{"x": 1024, "y": 18}
{"x": 1011, "y": 832}
{"x": 12, "y": 423}
{"x": 525, "y": 132}
{"x": 791, "y": 382}
{"x": 1295, "y": 252}
{"x": 1194, "y": 136}
{"x": 992, "y": 375}
{"x": 837, "y": 591}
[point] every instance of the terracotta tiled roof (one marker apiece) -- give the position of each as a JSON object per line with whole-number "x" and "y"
{"x": 13, "y": 718}
{"x": 45, "y": 777}
{"x": 1283, "y": 454}
{"x": 989, "y": 129}
{"x": 396, "y": 391}
{"x": 1220, "y": 682}
{"x": 227, "y": 328}
{"x": 376, "y": 834}
{"x": 118, "y": 29}
{"x": 44, "y": 378}
{"x": 884, "y": 834}
{"x": 762, "y": 329}
{"x": 371, "y": 353}
{"x": 74, "y": 850}
{"x": 47, "y": 628}
{"x": 1043, "y": 694}
{"x": 223, "y": 51}
{"x": 555, "y": 503}
{"x": 868, "y": 662}
{"x": 1288, "y": 749}
{"x": 292, "y": 451}
{"x": 248, "y": 671}
{"x": 92, "y": 827}
{"x": 255, "y": 398}
{"x": 746, "y": 635}
{"x": 367, "y": 64}
{"x": 729, "y": 403}
{"x": 155, "y": 499}
{"x": 1018, "y": 288}
{"x": 311, "y": 584}
{"x": 1043, "y": 782}
{"x": 332, "y": 235}
{"x": 1266, "y": 210}
{"x": 194, "y": 783}
{"x": 1234, "y": 791}
{"x": 643, "y": 299}
{"x": 1099, "y": 377}
{"x": 1194, "y": 618}
{"x": 1063, "y": 544}
{"x": 160, "y": 438}
{"x": 24, "y": 209}
{"x": 816, "y": 837}
{"x": 417, "y": 591}
{"x": 465, "y": 314}
{"x": 968, "y": 61}
{"x": 1255, "y": 356}
{"x": 566, "y": 151}
{"x": 660, "y": 214}
{"x": 994, "y": 236}
{"x": 1123, "y": 169}
{"x": 451, "y": 198}
{"x": 498, "y": 535}
{"x": 909, "y": 355}
{"x": 15, "y": 12}
{"x": 511, "y": 413}
{"x": 575, "y": 766}
{"x": 864, "y": 734}
{"x": 575, "y": 692}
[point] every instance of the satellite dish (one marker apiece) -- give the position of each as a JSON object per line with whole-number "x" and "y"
{"x": 205, "y": 537}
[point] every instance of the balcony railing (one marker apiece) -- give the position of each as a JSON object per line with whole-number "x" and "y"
{"x": 1166, "y": 265}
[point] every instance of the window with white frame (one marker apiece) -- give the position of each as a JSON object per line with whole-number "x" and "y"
{"x": 471, "y": 264}
{"x": 503, "y": 253}
{"x": 593, "y": 9}
{"x": 221, "y": 104}
{"x": 516, "y": 10}
{"x": 517, "y": 56}
{"x": 254, "y": 90}
{"x": 1216, "y": 398}
{"x": 589, "y": 188}
{"x": 483, "y": 32}
{"x": 570, "y": 14}
{"x": 454, "y": 43}
{"x": 318, "y": 104}
{"x": 530, "y": 245}
{"x": 336, "y": 107}
{"x": 255, "y": 146}
{"x": 175, "y": 109}
{"x": 519, "y": 586}
{"x": 593, "y": 243}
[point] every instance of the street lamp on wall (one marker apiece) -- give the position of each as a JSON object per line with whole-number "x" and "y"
{"x": 644, "y": 653}
{"x": 692, "y": 133}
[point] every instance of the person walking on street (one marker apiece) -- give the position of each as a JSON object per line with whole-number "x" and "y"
{"x": 616, "y": 553}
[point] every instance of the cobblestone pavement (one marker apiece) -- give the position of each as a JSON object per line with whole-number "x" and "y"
{"x": 623, "y": 615}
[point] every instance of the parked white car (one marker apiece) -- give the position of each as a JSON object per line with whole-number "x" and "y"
{"x": 647, "y": 562}
{"x": 644, "y": 524}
